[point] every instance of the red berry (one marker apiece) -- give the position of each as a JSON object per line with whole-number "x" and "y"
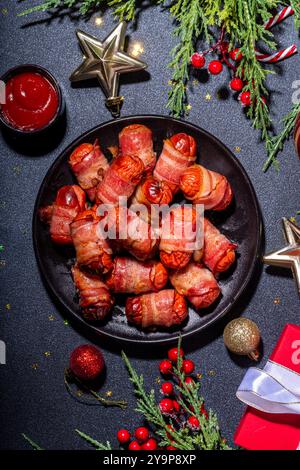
{"x": 173, "y": 354}
{"x": 165, "y": 367}
{"x": 188, "y": 366}
{"x": 236, "y": 84}
{"x": 203, "y": 411}
{"x": 166, "y": 406}
{"x": 142, "y": 434}
{"x": 176, "y": 406}
{"x": 245, "y": 98}
{"x": 167, "y": 388}
{"x": 198, "y": 60}
{"x": 171, "y": 448}
{"x": 151, "y": 444}
{"x": 169, "y": 426}
{"x": 134, "y": 445}
{"x": 193, "y": 423}
{"x": 236, "y": 55}
{"x": 215, "y": 67}
{"x": 264, "y": 100}
{"x": 123, "y": 436}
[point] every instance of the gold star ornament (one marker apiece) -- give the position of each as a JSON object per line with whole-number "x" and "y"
{"x": 106, "y": 61}
{"x": 289, "y": 256}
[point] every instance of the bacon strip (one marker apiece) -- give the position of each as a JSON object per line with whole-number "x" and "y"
{"x": 132, "y": 276}
{"x": 70, "y": 200}
{"x": 219, "y": 252}
{"x": 196, "y": 283}
{"x": 92, "y": 250}
{"x": 136, "y": 139}
{"x": 164, "y": 309}
{"x": 179, "y": 152}
{"x": 95, "y": 299}
{"x": 88, "y": 164}
{"x": 120, "y": 179}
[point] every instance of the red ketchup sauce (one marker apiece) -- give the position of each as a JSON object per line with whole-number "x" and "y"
{"x": 31, "y": 101}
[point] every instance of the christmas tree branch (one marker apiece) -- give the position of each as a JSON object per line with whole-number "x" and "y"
{"x": 33, "y": 444}
{"x": 90, "y": 440}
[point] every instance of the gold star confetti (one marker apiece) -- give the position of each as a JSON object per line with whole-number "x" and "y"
{"x": 157, "y": 380}
{"x": 277, "y": 300}
{"x": 98, "y": 20}
{"x": 66, "y": 322}
{"x": 208, "y": 97}
{"x": 79, "y": 393}
{"x": 212, "y": 373}
{"x": 170, "y": 82}
{"x": 2, "y": 263}
{"x": 188, "y": 107}
{"x": 34, "y": 366}
{"x": 199, "y": 376}
{"x": 17, "y": 170}
{"x": 237, "y": 149}
{"x": 8, "y": 306}
{"x": 4, "y": 11}
{"x": 293, "y": 219}
{"x": 109, "y": 393}
{"x": 47, "y": 353}
{"x": 195, "y": 82}
{"x": 51, "y": 317}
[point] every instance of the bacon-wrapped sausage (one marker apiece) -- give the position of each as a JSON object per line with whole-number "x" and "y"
{"x": 136, "y": 139}
{"x": 88, "y": 164}
{"x": 178, "y": 237}
{"x": 135, "y": 277}
{"x": 164, "y": 308}
{"x": 196, "y": 283}
{"x": 92, "y": 250}
{"x": 206, "y": 187}
{"x": 120, "y": 179}
{"x": 179, "y": 152}
{"x": 151, "y": 191}
{"x": 219, "y": 252}
{"x": 132, "y": 233}
{"x": 95, "y": 299}
{"x": 70, "y": 200}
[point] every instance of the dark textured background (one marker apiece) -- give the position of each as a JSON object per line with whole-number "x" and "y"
{"x": 35, "y": 401}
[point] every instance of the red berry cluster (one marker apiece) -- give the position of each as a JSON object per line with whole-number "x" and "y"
{"x": 141, "y": 441}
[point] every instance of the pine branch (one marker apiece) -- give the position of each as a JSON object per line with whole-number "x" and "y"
{"x": 90, "y": 440}
{"x": 296, "y": 7}
{"x": 33, "y": 444}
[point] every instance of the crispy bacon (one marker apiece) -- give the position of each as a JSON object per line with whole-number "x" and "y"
{"x": 92, "y": 250}
{"x": 120, "y": 179}
{"x": 136, "y": 139}
{"x": 88, "y": 164}
{"x": 164, "y": 309}
{"x": 179, "y": 152}
{"x": 206, "y": 187}
{"x": 219, "y": 252}
{"x": 178, "y": 237}
{"x": 95, "y": 299}
{"x": 196, "y": 283}
{"x": 70, "y": 200}
{"x": 132, "y": 276}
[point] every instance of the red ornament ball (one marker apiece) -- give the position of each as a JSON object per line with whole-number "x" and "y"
{"x": 215, "y": 67}
{"x": 198, "y": 60}
{"x": 165, "y": 367}
{"x": 236, "y": 84}
{"x": 173, "y": 354}
{"x": 123, "y": 436}
{"x": 167, "y": 388}
{"x": 188, "y": 366}
{"x": 236, "y": 55}
{"x": 134, "y": 445}
{"x": 193, "y": 423}
{"x": 151, "y": 444}
{"x": 245, "y": 98}
{"x": 87, "y": 362}
{"x": 166, "y": 406}
{"x": 142, "y": 434}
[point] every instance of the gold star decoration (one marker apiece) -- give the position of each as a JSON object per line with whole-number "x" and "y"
{"x": 34, "y": 366}
{"x": 289, "y": 256}
{"x": 47, "y": 353}
{"x": 109, "y": 393}
{"x": 51, "y": 317}
{"x": 188, "y": 107}
{"x": 237, "y": 149}
{"x": 212, "y": 373}
{"x": 106, "y": 61}
{"x": 207, "y": 97}
{"x": 199, "y": 376}
{"x": 8, "y": 306}
{"x": 157, "y": 380}
{"x": 277, "y": 300}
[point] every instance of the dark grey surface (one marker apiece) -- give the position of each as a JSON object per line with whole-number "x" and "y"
{"x": 35, "y": 401}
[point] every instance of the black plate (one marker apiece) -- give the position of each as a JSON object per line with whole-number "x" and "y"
{"x": 242, "y": 224}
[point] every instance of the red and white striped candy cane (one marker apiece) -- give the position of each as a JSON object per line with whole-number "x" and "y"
{"x": 277, "y": 56}
{"x": 281, "y": 16}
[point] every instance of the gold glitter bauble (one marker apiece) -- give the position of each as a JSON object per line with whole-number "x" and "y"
{"x": 242, "y": 336}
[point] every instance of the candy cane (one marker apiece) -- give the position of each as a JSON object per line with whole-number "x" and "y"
{"x": 281, "y": 16}
{"x": 277, "y": 56}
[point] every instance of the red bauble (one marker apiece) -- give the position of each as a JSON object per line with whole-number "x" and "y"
{"x": 167, "y": 388}
{"x": 245, "y": 98}
{"x": 166, "y": 406}
{"x": 151, "y": 444}
{"x": 215, "y": 67}
{"x": 87, "y": 362}
{"x": 193, "y": 423}
{"x": 134, "y": 445}
{"x": 142, "y": 434}
{"x": 236, "y": 84}
{"x": 188, "y": 366}
{"x": 123, "y": 436}
{"x": 173, "y": 354}
{"x": 165, "y": 367}
{"x": 176, "y": 406}
{"x": 198, "y": 60}
{"x": 236, "y": 55}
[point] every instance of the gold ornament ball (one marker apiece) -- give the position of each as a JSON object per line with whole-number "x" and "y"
{"x": 242, "y": 336}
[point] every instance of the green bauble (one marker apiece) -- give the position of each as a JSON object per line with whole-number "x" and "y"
{"x": 242, "y": 336}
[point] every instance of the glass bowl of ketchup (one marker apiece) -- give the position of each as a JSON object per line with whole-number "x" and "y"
{"x": 33, "y": 100}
